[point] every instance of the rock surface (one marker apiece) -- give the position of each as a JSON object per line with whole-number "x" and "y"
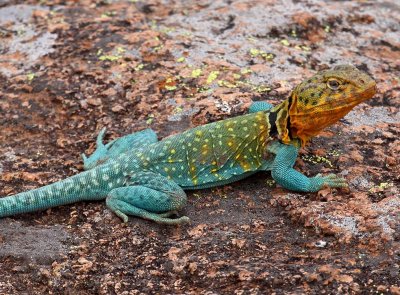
{"x": 67, "y": 70}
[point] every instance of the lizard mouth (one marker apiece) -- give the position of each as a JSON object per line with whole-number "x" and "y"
{"x": 362, "y": 96}
{"x": 370, "y": 92}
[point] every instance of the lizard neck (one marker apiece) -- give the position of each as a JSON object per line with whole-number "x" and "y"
{"x": 279, "y": 121}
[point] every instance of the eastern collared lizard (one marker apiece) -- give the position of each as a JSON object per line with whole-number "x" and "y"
{"x": 140, "y": 176}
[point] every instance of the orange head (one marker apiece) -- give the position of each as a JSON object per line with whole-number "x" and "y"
{"x": 323, "y": 99}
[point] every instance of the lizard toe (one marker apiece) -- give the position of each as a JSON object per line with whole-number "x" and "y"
{"x": 174, "y": 221}
{"x": 333, "y": 180}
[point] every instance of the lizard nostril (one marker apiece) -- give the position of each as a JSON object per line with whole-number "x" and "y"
{"x": 361, "y": 81}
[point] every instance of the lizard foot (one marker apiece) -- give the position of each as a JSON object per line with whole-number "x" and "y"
{"x": 118, "y": 146}
{"x": 168, "y": 214}
{"x": 159, "y": 218}
{"x": 331, "y": 180}
{"x": 99, "y": 156}
{"x": 149, "y": 203}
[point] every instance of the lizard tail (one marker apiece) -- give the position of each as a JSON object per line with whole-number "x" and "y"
{"x": 70, "y": 190}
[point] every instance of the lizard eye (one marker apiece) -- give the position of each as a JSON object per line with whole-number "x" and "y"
{"x": 333, "y": 84}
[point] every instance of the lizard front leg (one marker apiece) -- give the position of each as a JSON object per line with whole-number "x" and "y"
{"x": 284, "y": 174}
{"x": 259, "y": 106}
{"x": 149, "y": 196}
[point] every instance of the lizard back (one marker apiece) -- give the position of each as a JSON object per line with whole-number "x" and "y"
{"x": 212, "y": 153}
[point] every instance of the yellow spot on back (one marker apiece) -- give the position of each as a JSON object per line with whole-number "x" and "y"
{"x": 172, "y": 151}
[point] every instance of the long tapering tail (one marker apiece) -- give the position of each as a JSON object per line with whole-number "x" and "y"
{"x": 88, "y": 185}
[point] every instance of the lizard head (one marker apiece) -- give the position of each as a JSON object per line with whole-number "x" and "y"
{"x": 325, "y": 98}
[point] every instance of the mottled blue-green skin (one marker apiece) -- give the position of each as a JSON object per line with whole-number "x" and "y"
{"x": 139, "y": 176}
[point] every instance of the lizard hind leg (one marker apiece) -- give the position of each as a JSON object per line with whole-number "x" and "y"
{"x": 118, "y": 146}
{"x": 144, "y": 202}
{"x": 150, "y": 196}
{"x": 98, "y": 155}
